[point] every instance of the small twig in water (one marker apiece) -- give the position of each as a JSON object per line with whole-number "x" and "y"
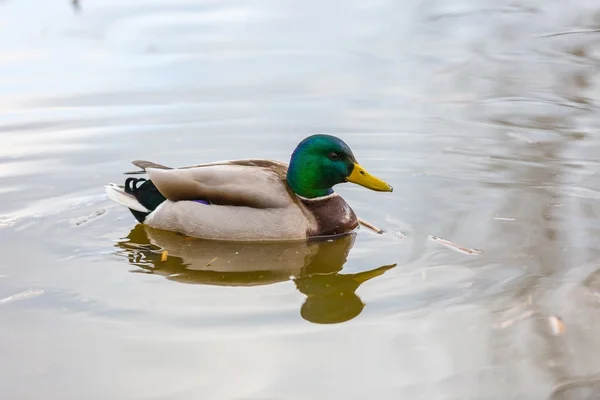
{"x": 454, "y": 245}
{"x": 211, "y": 261}
{"x": 511, "y": 321}
{"x": 370, "y": 226}
{"x": 570, "y": 33}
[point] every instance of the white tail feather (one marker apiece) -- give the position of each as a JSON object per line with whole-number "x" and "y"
{"x": 117, "y": 193}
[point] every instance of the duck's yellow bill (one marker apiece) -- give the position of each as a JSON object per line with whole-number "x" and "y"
{"x": 363, "y": 178}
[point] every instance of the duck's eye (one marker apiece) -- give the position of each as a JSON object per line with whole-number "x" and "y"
{"x": 334, "y": 156}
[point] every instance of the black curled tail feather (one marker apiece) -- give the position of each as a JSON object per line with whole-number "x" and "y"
{"x": 145, "y": 193}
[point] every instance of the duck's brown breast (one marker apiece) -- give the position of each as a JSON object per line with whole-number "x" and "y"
{"x": 332, "y": 214}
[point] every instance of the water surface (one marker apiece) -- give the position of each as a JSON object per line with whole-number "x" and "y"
{"x": 483, "y": 115}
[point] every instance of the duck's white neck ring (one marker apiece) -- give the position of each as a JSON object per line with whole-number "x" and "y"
{"x": 329, "y": 196}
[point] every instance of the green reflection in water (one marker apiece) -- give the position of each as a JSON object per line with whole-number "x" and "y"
{"x": 313, "y": 266}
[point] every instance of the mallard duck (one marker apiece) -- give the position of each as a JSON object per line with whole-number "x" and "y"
{"x": 251, "y": 199}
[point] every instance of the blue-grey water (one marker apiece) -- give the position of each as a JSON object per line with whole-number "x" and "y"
{"x": 482, "y": 114}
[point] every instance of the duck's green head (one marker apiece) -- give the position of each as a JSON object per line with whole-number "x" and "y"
{"x": 321, "y": 161}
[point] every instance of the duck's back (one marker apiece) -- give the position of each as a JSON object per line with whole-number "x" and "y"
{"x": 250, "y": 183}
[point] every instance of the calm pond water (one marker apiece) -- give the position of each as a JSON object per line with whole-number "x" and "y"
{"x": 482, "y": 114}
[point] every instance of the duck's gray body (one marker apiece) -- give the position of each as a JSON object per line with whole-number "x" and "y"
{"x": 248, "y": 200}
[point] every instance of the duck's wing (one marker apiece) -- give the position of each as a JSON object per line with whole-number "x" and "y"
{"x": 143, "y": 164}
{"x": 251, "y": 162}
{"x": 251, "y": 183}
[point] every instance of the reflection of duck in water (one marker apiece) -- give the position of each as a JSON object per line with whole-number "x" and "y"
{"x": 314, "y": 267}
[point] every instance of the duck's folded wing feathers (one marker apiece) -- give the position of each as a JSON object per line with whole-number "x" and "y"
{"x": 224, "y": 184}
{"x": 143, "y": 165}
{"x": 278, "y": 166}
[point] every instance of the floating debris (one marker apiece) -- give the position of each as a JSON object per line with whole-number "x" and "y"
{"x": 370, "y": 226}
{"x": 164, "y": 256}
{"x": 557, "y": 325}
{"x": 454, "y": 246}
{"x": 211, "y": 261}
{"x": 22, "y": 296}
{"x": 574, "y": 32}
{"x": 511, "y": 321}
